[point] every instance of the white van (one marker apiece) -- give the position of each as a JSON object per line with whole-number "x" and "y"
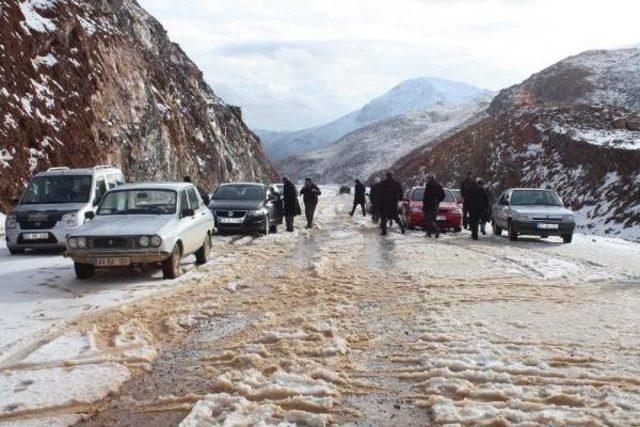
{"x": 54, "y": 203}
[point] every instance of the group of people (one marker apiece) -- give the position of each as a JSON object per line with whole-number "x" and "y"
{"x": 384, "y": 197}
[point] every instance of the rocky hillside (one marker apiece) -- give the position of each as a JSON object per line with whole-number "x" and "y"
{"x": 573, "y": 127}
{"x": 371, "y": 148}
{"x": 411, "y": 95}
{"x": 87, "y": 82}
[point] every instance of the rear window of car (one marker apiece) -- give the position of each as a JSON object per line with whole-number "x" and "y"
{"x": 418, "y": 195}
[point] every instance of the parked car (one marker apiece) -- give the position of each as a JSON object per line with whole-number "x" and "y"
{"x": 449, "y": 213}
{"x": 532, "y": 211}
{"x": 143, "y": 224}
{"x": 457, "y": 195}
{"x": 246, "y": 206}
{"x": 54, "y": 204}
{"x": 344, "y": 189}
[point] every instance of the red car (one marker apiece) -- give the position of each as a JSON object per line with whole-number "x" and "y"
{"x": 449, "y": 214}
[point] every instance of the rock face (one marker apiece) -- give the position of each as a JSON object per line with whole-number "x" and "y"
{"x": 371, "y": 148}
{"x": 89, "y": 82}
{"x": 413, "y": 95}
{"x": 570, "y": 127}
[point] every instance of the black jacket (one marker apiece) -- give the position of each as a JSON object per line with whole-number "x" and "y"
{"x": 388, "y": 194}
{"x": 290, "y": 204}
{"x": 465, "y": 186}
{"x": 359, "y": 193}
{"x": 310, "y": 194}
{"x": 373, "y": 193}
{"x": 433, "y": 195}
{"x": 477, "y": 201}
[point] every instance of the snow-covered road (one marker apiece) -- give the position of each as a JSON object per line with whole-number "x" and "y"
{"x": 335, "y": 324}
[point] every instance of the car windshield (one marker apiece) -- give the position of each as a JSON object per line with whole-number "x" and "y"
{"x": 418, "y": 195}
{"x": 535, "y": 197}
{"x": 58, "y": 189}
{"x": 239, "y": 192}
{"x": 138, "y": 202}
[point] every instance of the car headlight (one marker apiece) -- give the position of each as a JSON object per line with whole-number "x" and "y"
{"x": 155, "y": 241}
{"x": 143, "y": 241}
{"x": 70, "y": 219}
{"x": 72, "y": 242}
{"x": 257, "y": 212}
{"x": 82, "y": 242}
{"x": 568, "y": 218}
{"x": 11, "y": 222}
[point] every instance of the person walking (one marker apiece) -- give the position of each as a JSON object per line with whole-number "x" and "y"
{"x": 465, "y": 186}
{"x": 373, "y": 192}
{"x": 433, "y": 195}
{"x": 203, "y": 194}
{"x": 359, "y": 198}
{"x": 290, "y": 204}
{"x": 310, "y": 193}
{"x": 478, "y": 205}
{"x": 388, "y": 194}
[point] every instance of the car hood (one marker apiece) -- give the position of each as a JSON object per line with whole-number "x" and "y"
{"x": 541, "y": 210}
{"x": 236, "y": 204}
{"x": 125, "y": 225}
{"x": 62, "y": 207}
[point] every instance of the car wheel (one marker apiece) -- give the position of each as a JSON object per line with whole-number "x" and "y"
{"x": 497, "y": 230}
{"x": 273, "y": 229}
{"x": 513, "y": 234}
{"x": 171, "y": 266}
{"x": 202, "y": 254}
{"x": 567, "y": 238}
{"x": 15, "y": 251}
{"x": 84, "y": 271}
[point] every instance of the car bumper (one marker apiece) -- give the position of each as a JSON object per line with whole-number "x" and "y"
{"x": 450, "y": 221}
{"x": 532, "y": 228}
{"x": 247, "y": 224}
{"x": 137, "y": 257}
{"x": 56, "y": 239}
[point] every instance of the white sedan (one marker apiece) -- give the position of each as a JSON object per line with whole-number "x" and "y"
{"x": 143, "y": 224}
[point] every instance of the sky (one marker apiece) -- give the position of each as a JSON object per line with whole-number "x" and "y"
{"x": 292, "y": 64}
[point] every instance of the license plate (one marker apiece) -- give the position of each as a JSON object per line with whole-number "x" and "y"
{"x": 35, "y": 236}
{"x": 111, "y": 262}
{"x": 230, "y": 220}
{"x": 441, "y": 218}
{"x": 548, "y": 226}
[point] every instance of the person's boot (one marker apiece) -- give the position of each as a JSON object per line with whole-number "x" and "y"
{"x": 482, "y": 230}
{"x": 474, "y": 236}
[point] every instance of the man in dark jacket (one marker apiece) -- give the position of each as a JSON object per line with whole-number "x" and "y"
{"x": 478, "y": 205}
{"x": 373, "y": 200}
{"x": 310, "y": 193}
{"x": 433, "y": 195}
{"x": 359, "y": 198}
{"x": 465, "y": 186}
{"x": 290, "y": 204}
{"x": 389, "y": 192}
{"x": 203, "y": 194}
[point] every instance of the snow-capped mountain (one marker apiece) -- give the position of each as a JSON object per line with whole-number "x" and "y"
{"x": 366, "y": 150}
{"x": 408, "y": 96}
{"x": 573, "y": 127}
{"x": 86, "y": 82}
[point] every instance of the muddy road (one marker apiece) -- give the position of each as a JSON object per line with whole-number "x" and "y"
{"x": 338, "y": 325}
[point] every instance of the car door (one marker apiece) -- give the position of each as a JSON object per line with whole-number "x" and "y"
{"x": 186, "y": 224}
{"x": 202, "y": 215}
{"x": 277, "y": 202}
{"x": 501, "y": 212}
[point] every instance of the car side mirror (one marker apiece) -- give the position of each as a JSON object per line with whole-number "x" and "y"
{"x": 89, "y": 215}
{"x": 187, "y": 212}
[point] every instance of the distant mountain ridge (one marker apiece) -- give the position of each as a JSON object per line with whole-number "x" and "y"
{"x": 408, "y": 96}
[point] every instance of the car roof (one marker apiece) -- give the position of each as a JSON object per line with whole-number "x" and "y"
{"x": 242, "y": 183}
{"x": 530, "y": 189}
{"x": 176, "y": 186}
{"x": 102, "y": 169}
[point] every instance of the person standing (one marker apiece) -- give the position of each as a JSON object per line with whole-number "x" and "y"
{"x": 375, "y": 215}
{"x": 359, "y": 198}
{"x": 433, "y": 195}
{"x": 310, "y": 193}
{"x": 388, "y": 194}
{"x": 290, "y": 204}
{"x": 478, "y": 205}
{"x": 465, "y": 186}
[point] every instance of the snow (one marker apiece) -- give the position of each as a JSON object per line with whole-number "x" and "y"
{"x": 33, "y": 20}
{"x": 88, "y": 25}
{"x": 610, "y": 138}
{"x": 48, "y": 60}
{"x": 3, "y": 219}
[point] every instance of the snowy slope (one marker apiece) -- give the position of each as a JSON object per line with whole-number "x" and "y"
{"x": 408, "y": 96}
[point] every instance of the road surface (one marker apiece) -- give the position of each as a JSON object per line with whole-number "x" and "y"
{"x": 334, "y": 325}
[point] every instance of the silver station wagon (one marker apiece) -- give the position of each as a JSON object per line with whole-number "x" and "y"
{"x": 154, "y": 223}
{"x": 532, "y": 211}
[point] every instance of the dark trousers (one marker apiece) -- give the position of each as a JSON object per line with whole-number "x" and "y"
{"x": 355, "y": 206}
{"x": 386, "y": 217}
{"x": 309, "y": 211}
{"x": 375, "y": 216}
{"x": 289, "y": 221}
{"x": 465, "y": 215}
{"x": 474, "y": 222}
{"x": 430, "y": 224}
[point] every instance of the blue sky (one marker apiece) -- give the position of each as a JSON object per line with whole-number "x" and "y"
{"x": 291, "y": 64}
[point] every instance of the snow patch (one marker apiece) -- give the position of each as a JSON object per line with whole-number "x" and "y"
{"x": 32, "y": 19}
{"x": 49, "y": 60}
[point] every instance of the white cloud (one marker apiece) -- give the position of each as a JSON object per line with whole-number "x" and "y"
{"x": 295, "y": 63}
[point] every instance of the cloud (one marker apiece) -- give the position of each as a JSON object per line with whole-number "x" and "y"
{"x": 292, "y": 64}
